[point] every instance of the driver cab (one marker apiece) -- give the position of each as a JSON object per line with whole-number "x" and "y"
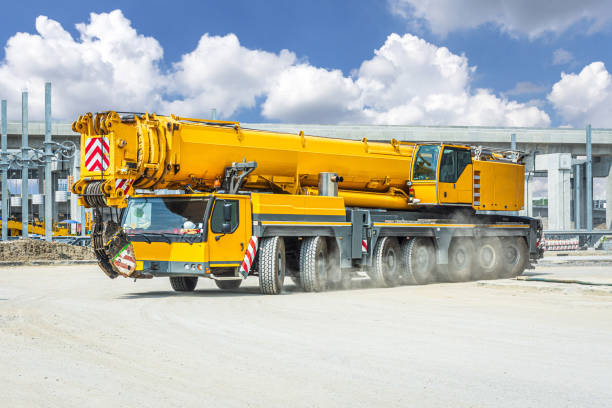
{"x": 442, "y": 174}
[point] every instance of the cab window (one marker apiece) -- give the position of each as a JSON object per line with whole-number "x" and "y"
{"x": 217, "y": 218}
{"x": 454, "y": 161}
{"x": 426, "y": 163}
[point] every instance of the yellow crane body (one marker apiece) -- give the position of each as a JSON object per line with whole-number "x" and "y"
{"x": 314, "y": 208}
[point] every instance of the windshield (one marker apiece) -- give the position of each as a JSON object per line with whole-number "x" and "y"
{"x": 167, "y": 215}
{"x": 426, "y": 163}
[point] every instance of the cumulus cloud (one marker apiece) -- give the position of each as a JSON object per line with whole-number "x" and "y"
{"x": 408, "y": 81}
{"x": 111, "y": 66}
{"x": 532, "y": 18}
{"x": 585, "y": 97}
{"x": 222, "y": 73}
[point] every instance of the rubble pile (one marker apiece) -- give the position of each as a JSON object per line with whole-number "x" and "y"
{"x": 33, "y": 250}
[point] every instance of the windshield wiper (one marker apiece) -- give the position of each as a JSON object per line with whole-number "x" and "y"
{"x": 155, "y": 234}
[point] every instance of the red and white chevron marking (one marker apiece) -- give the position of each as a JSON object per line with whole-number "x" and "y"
{"x": 96, "y": 153}
{"x": 364, "y": 245}
{"x": 123, "y": 184}
{"x": 249, "y": 257}
{"x": 125, "y": 260}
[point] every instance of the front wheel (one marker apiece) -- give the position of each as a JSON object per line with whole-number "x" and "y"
{"x": 272, "y": 265}
{"x": 183, "y": 283}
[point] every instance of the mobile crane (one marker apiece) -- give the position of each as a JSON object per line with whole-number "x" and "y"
{"x": 319, "y": 210}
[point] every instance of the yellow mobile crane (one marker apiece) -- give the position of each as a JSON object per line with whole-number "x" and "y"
{"x": 316, "y": 209}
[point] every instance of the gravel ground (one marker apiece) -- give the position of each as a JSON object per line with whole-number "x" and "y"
{"x": 70, "y": 337}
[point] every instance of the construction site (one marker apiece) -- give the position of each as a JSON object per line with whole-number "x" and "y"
{"x": 266, "y": 264}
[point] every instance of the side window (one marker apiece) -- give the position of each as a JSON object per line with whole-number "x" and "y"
{"x": 426, "y": 163}
{"x": 217, "y": 218}
{"x": 448, "y": 166}
{"x": 453, "y": 162}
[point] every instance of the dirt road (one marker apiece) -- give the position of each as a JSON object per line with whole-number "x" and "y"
{"x": 69, "y": 336}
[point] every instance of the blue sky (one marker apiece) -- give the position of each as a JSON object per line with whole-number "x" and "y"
{"x": 510, "y": 56}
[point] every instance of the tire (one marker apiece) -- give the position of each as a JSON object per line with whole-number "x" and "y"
{"x": 272, "y": 265}
{"x": 489, "y": 256}
{"x": 183, "y": 283}
{"x": 228, "y": 284}
{"x": 418, "y": 261}
{"x": 515, "y": 257}
{"x": 460, "y": 260}
{"x": 314, "y": 264}
{"x": 387, "y": 263}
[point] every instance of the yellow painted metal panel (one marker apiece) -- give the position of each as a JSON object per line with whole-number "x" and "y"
{"x": 297, "y": 204}
{"x": 501, "y": 185}
{"x": 163, "y": 251}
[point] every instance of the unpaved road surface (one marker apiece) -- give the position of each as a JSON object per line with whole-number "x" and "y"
{"x": 70, "y": 337}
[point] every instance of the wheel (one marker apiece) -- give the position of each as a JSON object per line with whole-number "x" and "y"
{"x": 228, "y": 284}
{"x": 272, "y": 265}
{"x": 418, "y": 261}
{"x": 460, "y": 260}
{"x": 515, "y": 257}
{"x": 183, "y": 283}
{"x": 489, "y": 256}
{"x": 314, "y": 264}
{"x": 387, "y": 263}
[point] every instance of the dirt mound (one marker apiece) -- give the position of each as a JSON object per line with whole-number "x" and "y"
{"x": 33, "y": 249}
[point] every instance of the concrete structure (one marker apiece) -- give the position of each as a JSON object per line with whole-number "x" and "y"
{"x": 559, "y": 153}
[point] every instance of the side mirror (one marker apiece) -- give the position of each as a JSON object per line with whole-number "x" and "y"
{"x": 227, "y": 212}
{"x": 226, "y": 227}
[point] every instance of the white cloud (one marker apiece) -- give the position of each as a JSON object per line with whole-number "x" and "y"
{"x": 526, "y": 88}
{"x": 585, "y": 97}
{"x": 111, "y": 66}
{"x": 223, "y": 74}
{"x": 529, "y": 17}
{"x": 408, "y": 81}
{"x": 562, "y": 57}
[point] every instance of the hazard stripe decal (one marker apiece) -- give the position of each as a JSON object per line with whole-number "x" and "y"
{"x": 249, "y": 257}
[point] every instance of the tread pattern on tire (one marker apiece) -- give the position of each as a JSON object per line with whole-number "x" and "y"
{"x": 378, "y": 268}
{"x": 228, "y": 284}
{"x": 407, "y": 254}
{"x": 183, "y": 283}
{"x": 309, "y": 276}
{"x": 269, "y": 281}
{"x": 511, "y": 271}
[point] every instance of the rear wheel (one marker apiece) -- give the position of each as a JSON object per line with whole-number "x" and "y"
{"x": 387, "y": 262}
{"x": 460, "y": 260}
{"x": 314, "y": 264}
{"x": 183, "y": 283}
{"x": 418, "y": 261}
{"x": 489, "y": 255}
{"x": 228, "y": 284}
{"x": 272, "y": 265}
{"x": 515, "y": 257}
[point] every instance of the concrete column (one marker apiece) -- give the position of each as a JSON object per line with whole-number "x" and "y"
{"x": 48, "y": 183}
{"x": 75, "y": 209}
{"x": 24, "y": 166}
{"x": 4, "y": 168}
{"x": 577, "y": 196}
{"x": 529, "y": 187}
{"x": 589, "y": 181}
{"x": 609, "y": 199}
{"x": 559, "y": 191}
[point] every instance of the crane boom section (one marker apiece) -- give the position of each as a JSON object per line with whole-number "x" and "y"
{"x": 168, "y": 152}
